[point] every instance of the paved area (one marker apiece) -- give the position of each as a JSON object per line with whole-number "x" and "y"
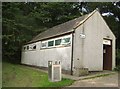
{"x": 104, "y": 81}
{"x": 90, "y": 75}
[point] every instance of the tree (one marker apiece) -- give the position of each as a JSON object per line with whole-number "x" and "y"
{"x": 22, "y": 21}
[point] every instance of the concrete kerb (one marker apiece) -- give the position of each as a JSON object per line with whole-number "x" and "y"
{"x": 88, "y": 76}
{"x": 97, "y": 74}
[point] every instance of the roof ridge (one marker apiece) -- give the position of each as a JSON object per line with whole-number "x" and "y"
{"x": 89, "y": 15}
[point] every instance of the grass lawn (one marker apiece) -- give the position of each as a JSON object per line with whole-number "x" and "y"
{"x": 22, "y": 76}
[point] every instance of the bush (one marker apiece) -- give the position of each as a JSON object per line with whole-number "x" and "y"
{"x": 118, "y": 57}
{"x": 117, "y": 68}
{"x": 117, "y": 60}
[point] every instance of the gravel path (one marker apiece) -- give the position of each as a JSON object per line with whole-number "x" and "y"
{"x": 105, "y": 81}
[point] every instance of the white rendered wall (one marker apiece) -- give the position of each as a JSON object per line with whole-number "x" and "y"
{"x": 40, "y": 57}
{"x": 95, "y": 30}
{"x": 88, "y": 52}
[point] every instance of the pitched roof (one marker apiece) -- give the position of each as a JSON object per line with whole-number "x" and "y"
{"x": 61, "y": 29}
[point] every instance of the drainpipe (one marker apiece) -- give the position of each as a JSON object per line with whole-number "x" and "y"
{"x": 72, "y": 54}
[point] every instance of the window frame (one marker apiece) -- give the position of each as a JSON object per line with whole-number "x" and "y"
{"x": 24, "y": 48}
{"x": 46, "y": 44}
{"x": 32, "y": 45}
{"x": 60, "y": 42}
{"x": 66, "y": 42}
{"x": 54, "y": 42}
{"x": 35, "y": 47}
{"x": 29, "y": 47}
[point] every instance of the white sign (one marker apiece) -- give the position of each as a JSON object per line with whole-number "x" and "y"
{"x": 82, "y": 36}
{"x": 107, "y": 42}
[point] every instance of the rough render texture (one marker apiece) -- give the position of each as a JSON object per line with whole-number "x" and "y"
{"x": 88, "y": 52}
{"x": 41, "y": 57}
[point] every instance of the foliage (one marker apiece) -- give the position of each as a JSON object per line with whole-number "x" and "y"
{"x": 117, "y": 68}
{"x": 23, "y": 76}
{"x": 118, "y": 57}
{"x": 15, "y": 33}
{"x": 23, "y": 21}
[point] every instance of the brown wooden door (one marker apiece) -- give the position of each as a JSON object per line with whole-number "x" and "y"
{"x": 107, "y": 57}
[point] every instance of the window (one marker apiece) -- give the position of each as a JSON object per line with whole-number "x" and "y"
{"x": 44, "y": 44}
{"x": 66, "y": 40}
{"x": 58, "y": 42}
{"x": 24, "y": 48}
{"x": 27, "y": 47}
{"x": 50, "y": 43}
{"x": 34, "y": 47}
{"x": 30, "y": 48}
{"x": 62, "y": 41}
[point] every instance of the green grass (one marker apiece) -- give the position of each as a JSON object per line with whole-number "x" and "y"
{"x": 22, "y": 76}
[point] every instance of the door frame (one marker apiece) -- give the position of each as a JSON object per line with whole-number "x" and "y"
{"x": 109, "y": 64}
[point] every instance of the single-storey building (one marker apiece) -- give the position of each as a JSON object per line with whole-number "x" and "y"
{"x": 84, "y": 42}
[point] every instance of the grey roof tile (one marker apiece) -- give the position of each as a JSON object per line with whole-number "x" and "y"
{"x": 59, "y": 29}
